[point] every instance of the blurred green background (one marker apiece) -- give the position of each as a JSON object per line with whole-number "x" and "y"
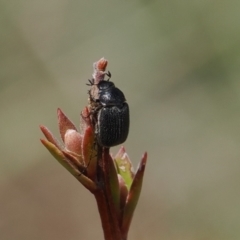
{"x": 177, "y": 63}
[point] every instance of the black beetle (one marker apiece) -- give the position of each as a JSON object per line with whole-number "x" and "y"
{"x": 111, "y": 115}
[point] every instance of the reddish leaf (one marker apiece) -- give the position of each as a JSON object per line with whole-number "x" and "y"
{"x": 112, "y": 179}
{"x": 85, "y": 120}
{"x": 133, "y": 196}
{"x": 101, "y": 64}
{"x": 89, "y": 152}
{"x": 60, "y": 157}
{"x": 73, "y": 141}
{"x": 74, "y": 161}
{"x": 64, "y": 123}
{"x": 50, "y": 136}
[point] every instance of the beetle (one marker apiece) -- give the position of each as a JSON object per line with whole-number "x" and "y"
{"x": 111, "y": 114}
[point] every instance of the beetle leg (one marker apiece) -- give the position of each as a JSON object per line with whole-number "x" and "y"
{"x": 109, "y": 75}
{"x": 91, "y": 82}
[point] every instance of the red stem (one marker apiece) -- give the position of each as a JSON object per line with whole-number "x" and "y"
{"x": 104, "y": 199}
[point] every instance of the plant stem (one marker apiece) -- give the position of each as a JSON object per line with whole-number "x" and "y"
{"x": 103, "y": 195}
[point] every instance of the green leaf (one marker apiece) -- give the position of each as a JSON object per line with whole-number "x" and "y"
{"x": 124, "y": 167}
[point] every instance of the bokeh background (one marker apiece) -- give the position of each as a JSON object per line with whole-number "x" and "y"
{"x": 177, "y": 63}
